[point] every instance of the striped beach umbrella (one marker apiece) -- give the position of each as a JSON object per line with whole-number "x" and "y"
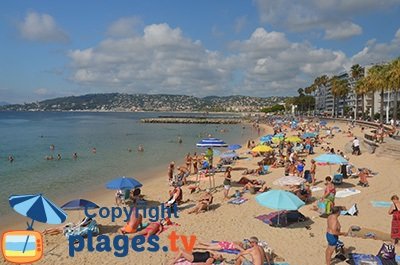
{"x": 38, "y": 208}
{"x": 211, "y": 142}
{"x": 234, "y": 147}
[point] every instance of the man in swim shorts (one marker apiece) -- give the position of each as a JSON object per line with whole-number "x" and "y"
{"x": 333, "y": 233}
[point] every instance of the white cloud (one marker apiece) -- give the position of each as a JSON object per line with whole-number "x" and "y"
{"x": 41, "y": 27}
{"x": 316, "y": 14}
{"x": 343, "y": 30}
{"x": 163, "y": 60}
{"x": 375, "y": 52}
{"x": 124, "y": 27}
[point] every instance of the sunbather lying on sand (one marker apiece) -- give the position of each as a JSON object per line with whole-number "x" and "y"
{"x": 204, "y": 201}
{"x": 134, "y": 222}
{"x": 258, "y": 170}
{"x": 60, "y": 229}
{"x": 154, "y": 228}
{"x": 253, "y": 184}
{"x": 207, "y": 257}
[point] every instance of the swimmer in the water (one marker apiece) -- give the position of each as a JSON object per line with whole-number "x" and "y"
{"x": 52, "y": 147}
{"x": 10, "y": 158}
{"x": 58, "y": 157}
{"x": 94, "y": 150}
{"x": 179, "y": 140}
{"x": 75, "y": 156}
{"x": 140, "y": 148}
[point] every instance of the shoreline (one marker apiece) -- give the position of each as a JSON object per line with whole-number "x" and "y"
{"x": 100, "y": 195}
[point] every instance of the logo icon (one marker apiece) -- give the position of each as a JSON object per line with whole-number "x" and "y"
{"x": 26, "y": 246}
{"x": 22, "y": 246}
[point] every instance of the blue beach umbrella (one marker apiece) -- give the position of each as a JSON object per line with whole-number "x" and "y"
{"x": 308, "y": 135}
{"x": 79, "y": 204}
{"x": 38, "y": 208}
{"x": 331, "y": 159}
{"x": 234, "y": 146}
{"x": 279, "y": 200}
{"x": 123, "y": 183}
{"x": 228, "y": 155}
{"x": 211, "y": 142}
{"x": 323, "y": 123}
{"x": 266, "y": 138}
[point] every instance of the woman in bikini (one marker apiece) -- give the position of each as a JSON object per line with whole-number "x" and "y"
{"x": 227, "y": 182}
{"x": 154, "y": 228}
{"x": 395, "y": 212}
{"x": 195, "y": 161}
{"x": 329, "y": 194}
{"x": 207, "y": 257}
{"x": 135, "y": 221}
{"x": 188, "y": 161}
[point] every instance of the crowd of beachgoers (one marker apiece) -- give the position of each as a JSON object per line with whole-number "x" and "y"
{"x": 299, "y": 149}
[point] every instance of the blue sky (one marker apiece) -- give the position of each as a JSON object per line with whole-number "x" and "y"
{"x": 208, "y": 47}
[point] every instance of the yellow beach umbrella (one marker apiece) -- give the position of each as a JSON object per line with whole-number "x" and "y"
{"x": 276, "y": 140}
{"x": 262, "y": 148}
{"x": 293, "y": 139}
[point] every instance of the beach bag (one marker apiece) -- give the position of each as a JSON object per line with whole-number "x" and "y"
{"x": 387, "y": 252}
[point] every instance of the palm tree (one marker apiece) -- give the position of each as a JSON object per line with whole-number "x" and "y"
{"x": 356, "y": 73}
{"x": 340, "y": 89}
{"x": 379, "y": 80}
{"x": 361, "y": 88}
{"x": 393, "y": 74}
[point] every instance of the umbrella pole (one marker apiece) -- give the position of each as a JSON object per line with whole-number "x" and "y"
{"x": 30, "y": 227}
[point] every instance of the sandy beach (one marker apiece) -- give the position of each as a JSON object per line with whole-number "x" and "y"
{"x": 297, "y": 244}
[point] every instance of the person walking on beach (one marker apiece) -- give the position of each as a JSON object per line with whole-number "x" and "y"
{"x": 188, "y": 161}
{"x": 356, "y": 147}
{"x": 227, "y": 182}
{"x": 395, "y": 212}
{"x": 313, "y": 169}
{"x": 332, "y": 233}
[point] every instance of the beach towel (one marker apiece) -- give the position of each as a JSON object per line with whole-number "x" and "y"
{"x": 315, "y": 188}
{"x": 382, "y": 204}
{"x": 363, "y": 259}
{"x": 228, "y": 251}
{"x": 346, "y": 193}
{"x": 352, "y": 211}
{"x": 238, "y": 201}
{"x": 366, "y": 233}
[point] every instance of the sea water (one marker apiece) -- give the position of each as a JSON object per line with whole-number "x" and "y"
{"x": 28, "y": 136}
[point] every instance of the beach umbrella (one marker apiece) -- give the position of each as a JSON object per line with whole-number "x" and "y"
{"x": 293, "y": 139}
{"x": 289, "y": 181}
{"x": 279, "y": 200}
{"x": 331, "y": 159}
{"x": 279, "y": 135}
{"x": 323, "y": 123}
{"x": 123, "y": 183}
{"x": 308, "y": 135}
{"x": 211, "y": 142}
{"x": 38, "y": 208}
{"x": 234, "y": 146}
{"x": 79, "y": 204}
{"x": 262, "y": 148}
{"x": 228, "y": 155}
{"x": 266, "y": 138}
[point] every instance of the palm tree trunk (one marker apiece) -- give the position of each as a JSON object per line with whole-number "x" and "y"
{"x": 362, "y": 105}
{"x": 373, "y": 106}
{"x": 395, "y": 108}
{"x": 356, "y": 108}
{"x": 382, "y": 105}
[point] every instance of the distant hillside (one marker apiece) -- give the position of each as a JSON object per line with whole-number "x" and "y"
{"x": 3, "y": 103}
{"x": 143, "y": 102}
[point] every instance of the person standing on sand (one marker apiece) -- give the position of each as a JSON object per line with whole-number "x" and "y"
{"x": 395, "y": 212}
{"x": 188, "y": 161}
{"x": 171, "y": 169}
{"x": 227, "y": 182}
{"x": 332, "y": 233}
{"x": 313, "y": 169}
